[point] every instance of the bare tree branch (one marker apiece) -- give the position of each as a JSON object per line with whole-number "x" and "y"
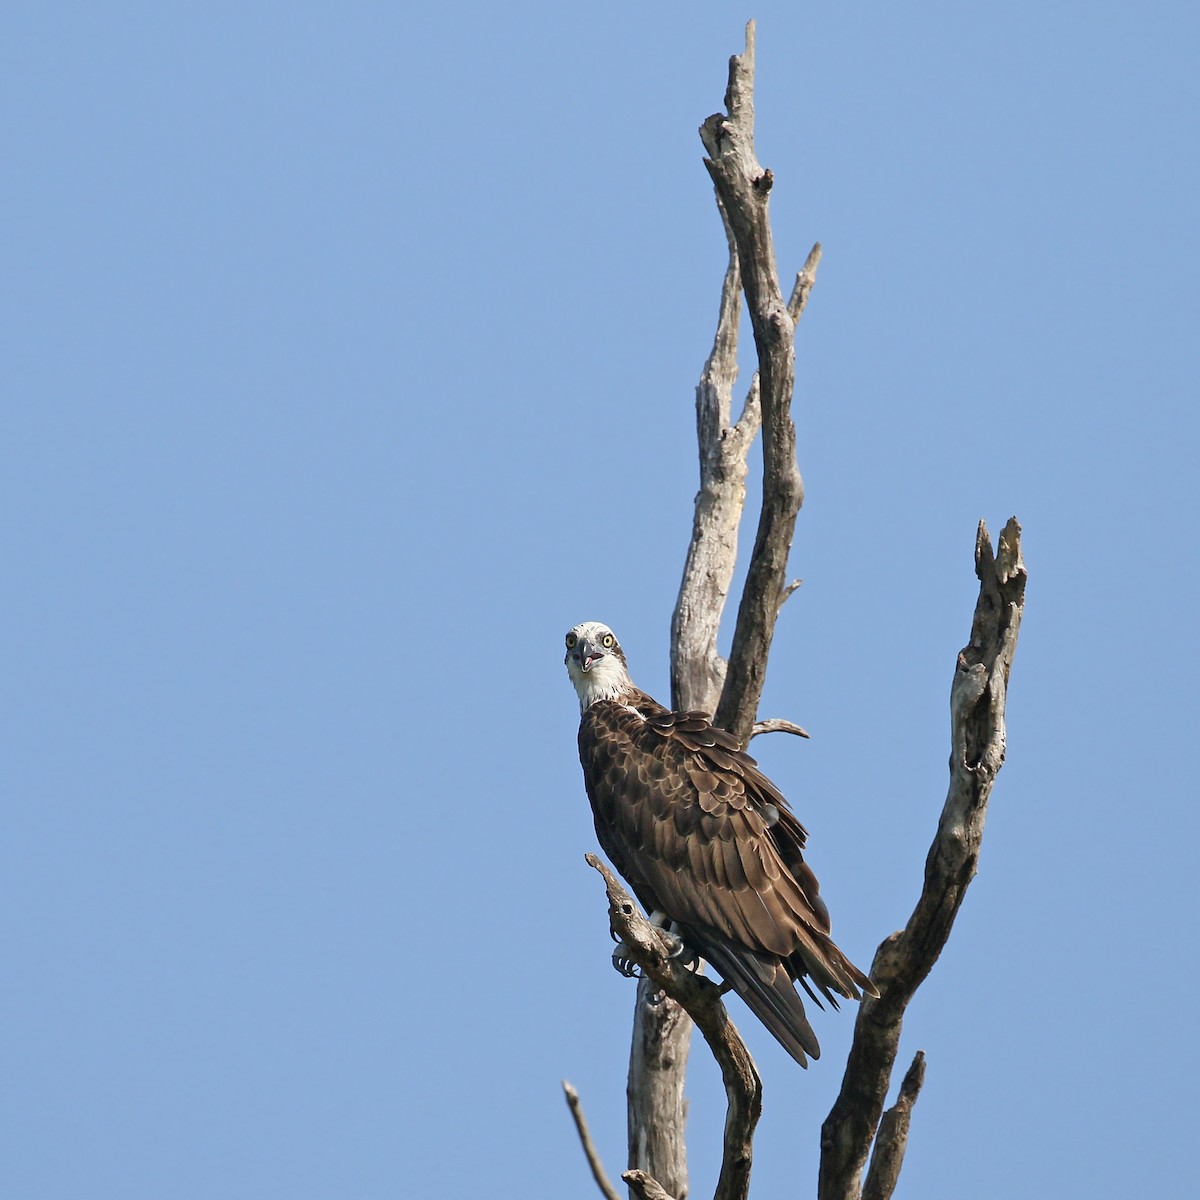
{"x": 977, "y": 702}
{"x": 589, "y": 1147}
{"x": 656, "y": 1111}
{"x": 789, "y": 591}
{"x": 645, "y": 1186}
{"x": 662, "y": 1031}
{"x": 658, "y": 1055}
{"x": 743, "y": 188}
{"x": 646, "y": 945}
{"x": 697, "y": 670}
{"x": 806, "y": 277}
{"x": 750, "y": 421}
{"x": 892, "y": 1139}
{"x": 701, "y": 679}
{"x": 777, "y": 725}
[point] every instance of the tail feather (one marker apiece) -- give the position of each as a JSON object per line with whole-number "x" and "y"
{"x": 831, "y": 971}
{"x": 765, "y": 985}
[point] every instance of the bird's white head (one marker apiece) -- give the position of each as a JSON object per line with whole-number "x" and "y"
{"x": 596, "y": 663}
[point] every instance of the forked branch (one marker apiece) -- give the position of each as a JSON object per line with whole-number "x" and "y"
{"x": 977, "y": 703}
{"x": 645, "y": 945}
{"x": 743, "y": 189}
{"x": 658, "y": 1058}
{"x": 701, "y": 679}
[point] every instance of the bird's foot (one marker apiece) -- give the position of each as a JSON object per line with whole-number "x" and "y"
{"x": 678, "y": 949}
{"x": 625, "y": 964}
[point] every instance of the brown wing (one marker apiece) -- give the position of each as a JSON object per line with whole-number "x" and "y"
{"x": 702, "y": 835}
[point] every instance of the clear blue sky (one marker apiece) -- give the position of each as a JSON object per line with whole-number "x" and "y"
{"x": 349, "y": 355}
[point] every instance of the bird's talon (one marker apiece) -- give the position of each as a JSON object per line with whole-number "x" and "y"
{"x": 678, "y": 949}
{"x": 625, "y": 964}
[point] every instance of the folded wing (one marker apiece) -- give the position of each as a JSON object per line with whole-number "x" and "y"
{"x": 703, "y": 836}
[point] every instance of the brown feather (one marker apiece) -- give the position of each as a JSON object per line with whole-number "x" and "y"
{"x": 703, "y": 836}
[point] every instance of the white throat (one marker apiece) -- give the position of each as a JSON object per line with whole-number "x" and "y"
{"x": 607, "y": 680}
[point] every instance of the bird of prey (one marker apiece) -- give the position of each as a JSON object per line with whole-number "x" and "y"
{"x": 707, "y": 843}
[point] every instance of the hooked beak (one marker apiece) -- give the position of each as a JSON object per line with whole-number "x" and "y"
{"x": 587, "y": 654}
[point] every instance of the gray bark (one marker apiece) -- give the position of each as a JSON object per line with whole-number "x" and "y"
{"x": 978, "y": 739}
{"x": 645, "y": 944}
{"x": 658, "y": 1059}
{"x": 697, "y": 669}
{"x": 656, "y": 1110}
{"x": 743, "y": 189}
{"x": 670, "y": 998}
{"x": 892, "y": 1138}
{"x": 661, "y": 1031}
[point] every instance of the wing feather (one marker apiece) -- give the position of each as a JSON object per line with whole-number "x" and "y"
{"x": 703, "y": 836}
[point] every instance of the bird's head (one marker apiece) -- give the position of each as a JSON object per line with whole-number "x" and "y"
{"x": 596, "y": 663}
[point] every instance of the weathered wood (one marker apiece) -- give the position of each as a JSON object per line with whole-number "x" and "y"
{"x": 777, "y": 725}
{"x": 658, "y": 1059}
{"x": 978, "y": 737}
{"x": 701, "y": 679}
{"x": 743, "y": 188}
{"x": 589, "y": 1147}
{"x": 656, "y": 1111}
{"x": 645, "y": 944}
{"x": 645, "y": 1186}
{"x": 698, "y": 673}
{"x": 697, "y": 669}
{"x": 892, "y": 1139}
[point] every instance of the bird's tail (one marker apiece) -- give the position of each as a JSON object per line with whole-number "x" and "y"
{"x": 830, "y": 970}
{"x": 765, "y": 984}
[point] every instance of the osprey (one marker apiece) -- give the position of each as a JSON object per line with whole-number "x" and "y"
{"x": 707, "y": 842}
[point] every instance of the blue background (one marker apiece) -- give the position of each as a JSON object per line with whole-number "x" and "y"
{"x": 349, "y": 357}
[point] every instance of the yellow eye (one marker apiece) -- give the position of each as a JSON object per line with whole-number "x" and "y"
{"x": 571, "y": 640}
{"x": 607, "y": 641}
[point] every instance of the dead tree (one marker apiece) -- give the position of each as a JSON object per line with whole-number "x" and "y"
{"x": 670, "y": 997}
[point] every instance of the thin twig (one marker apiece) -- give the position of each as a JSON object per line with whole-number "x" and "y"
{"x": 805, "y": 278}
{"x": 777, "y": 725}
{"x": 789, "y": 591}
{"x": 589, "y": 1147}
